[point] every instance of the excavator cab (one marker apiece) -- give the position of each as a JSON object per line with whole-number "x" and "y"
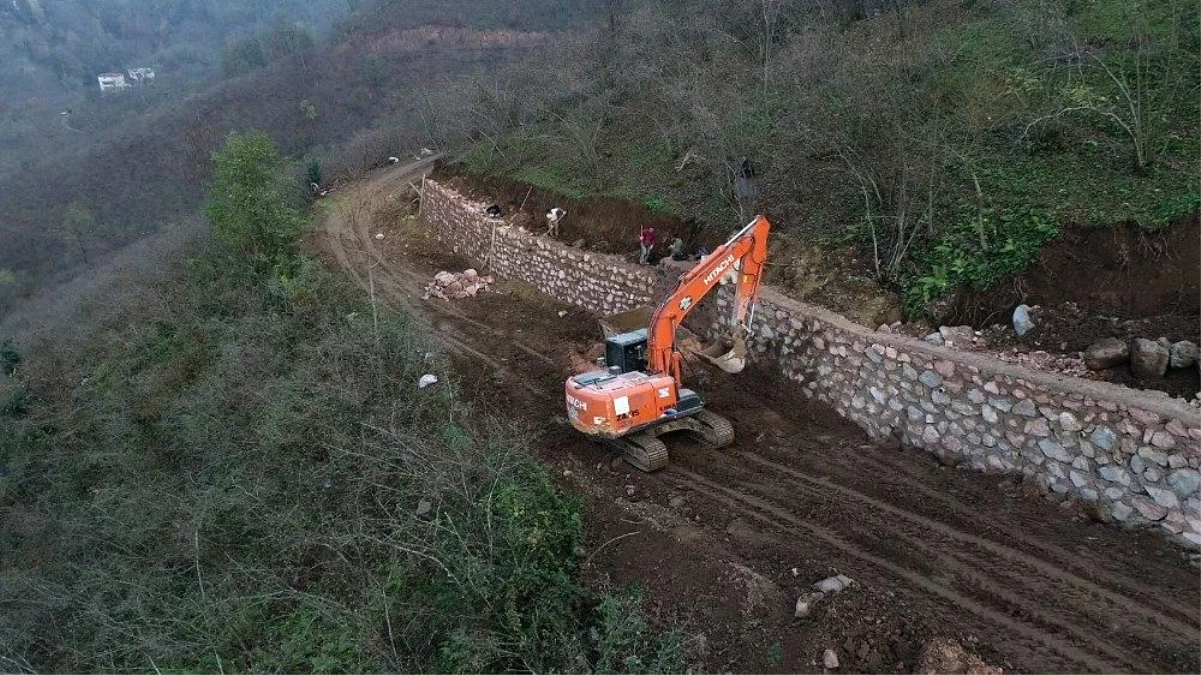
{"x": 626, "y": 347}
{"x": 626, "y": 352}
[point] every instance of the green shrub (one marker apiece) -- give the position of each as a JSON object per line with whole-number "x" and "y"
{"x": 626, "y": 643}
{"x": 247, "y": 204}
{"x": 15, "y": 403}
{"x": 661, "y": 205}
{"x": 1011, "y": 240}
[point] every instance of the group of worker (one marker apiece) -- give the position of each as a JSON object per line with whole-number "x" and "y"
{"x": 648, "y": 238}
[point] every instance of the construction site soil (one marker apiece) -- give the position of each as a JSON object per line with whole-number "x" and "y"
{"x": 605, "y": 224}
{"x": 1093, "y": 283}
{"x": 727, "y": 540}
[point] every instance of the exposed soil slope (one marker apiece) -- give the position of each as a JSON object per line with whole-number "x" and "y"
{"x": 1118, "y": 271}
{"x": 1094, "y": 283}
{"x": 839, "y": 280}
{"x": 605, "y": 224}
{"x": 729, "y": 540}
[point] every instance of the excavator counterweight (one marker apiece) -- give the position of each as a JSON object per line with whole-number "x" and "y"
{"x": 639, "y": 396}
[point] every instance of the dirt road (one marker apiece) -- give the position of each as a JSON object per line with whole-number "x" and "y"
{"x": 728, "y": 540}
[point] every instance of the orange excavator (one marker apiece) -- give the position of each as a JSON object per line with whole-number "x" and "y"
{"x": 638, "y": 395}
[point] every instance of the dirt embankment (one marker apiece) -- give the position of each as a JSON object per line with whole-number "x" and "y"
{"x": 607, "y": 225}
{"x": 838, "y": 280}
{"x": 1118, "y": 272}
{"x": 1094, "y": 283}
{"x": 729, "y": 540}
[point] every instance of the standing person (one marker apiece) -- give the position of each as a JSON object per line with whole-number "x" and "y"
{"x": 646, "y": 241}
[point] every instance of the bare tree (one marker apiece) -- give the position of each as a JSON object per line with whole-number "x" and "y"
{"x": 200, "y": 137}
{"x": 77, "y": 226}
{"x": 770, "y": 12}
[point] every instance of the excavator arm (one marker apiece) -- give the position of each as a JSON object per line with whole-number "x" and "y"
{"x": 741, "y": 258}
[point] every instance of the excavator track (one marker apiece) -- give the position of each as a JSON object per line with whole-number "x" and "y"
{"x": 644, "y": 452}
{"x": 718, "y": 432}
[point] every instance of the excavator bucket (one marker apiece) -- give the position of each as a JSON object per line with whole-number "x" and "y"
{"x": 729, "y": 354}
{"x": 625, "y": 321}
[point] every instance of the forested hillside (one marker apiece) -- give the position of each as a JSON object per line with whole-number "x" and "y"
{"x": 144, "y": 163}
{"x": 53, "y": 51}
{"x": 949, "y": 138}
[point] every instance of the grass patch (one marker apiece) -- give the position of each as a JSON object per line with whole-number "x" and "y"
{"x": 555, "y": 178}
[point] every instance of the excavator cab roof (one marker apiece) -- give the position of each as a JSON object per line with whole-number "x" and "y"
{"x": 631, "y": 338}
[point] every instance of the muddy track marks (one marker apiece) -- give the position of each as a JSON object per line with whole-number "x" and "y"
{"x": 958, "y": 540}
{"x": 895, "y": 470}
{"x": 1018, "y": 592}
{"x": 780, "y": 519}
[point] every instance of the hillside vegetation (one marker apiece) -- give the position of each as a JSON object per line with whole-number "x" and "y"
{"x": 949, "y": 139}
{"x": 54, "y": 49}
{"x": 335, "y": 105}
{"x": 236, "y": 471}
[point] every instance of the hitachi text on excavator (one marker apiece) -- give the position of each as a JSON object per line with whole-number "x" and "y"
{"x": 638, "y": 395}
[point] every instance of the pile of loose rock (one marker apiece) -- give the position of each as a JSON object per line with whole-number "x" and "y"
{"x": 451, "y": 286}
{"x": 959, "y": 337}
{"x": 943, "y": 655}
{"x": 1147, "y": 358}
{"x": 1064, "y": 364}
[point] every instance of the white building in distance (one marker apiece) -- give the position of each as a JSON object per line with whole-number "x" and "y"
{"x": 112, "y": 81}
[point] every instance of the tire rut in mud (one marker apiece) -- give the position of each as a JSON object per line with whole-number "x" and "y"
{"x": 879, "y": 559}
{"x": 1020, "y": 584}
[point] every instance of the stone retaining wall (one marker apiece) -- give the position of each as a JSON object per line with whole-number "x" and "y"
{"x": 1136, "y": 454}
{"x": 599, "y": 283}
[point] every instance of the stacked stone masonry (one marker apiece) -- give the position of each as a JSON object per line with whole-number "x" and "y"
{"x": 1136, "y": 454}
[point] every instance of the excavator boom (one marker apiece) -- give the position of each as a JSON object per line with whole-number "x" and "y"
{"x": 741, "y": 258}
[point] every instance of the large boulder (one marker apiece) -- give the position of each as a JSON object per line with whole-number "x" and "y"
{"x": 1185, "y": 482}
{"x": 1106, "y": 353}
{"x": 1021, "y": 320}
{"x": 1148, "y": 358}
{"x": 1182, "y": 354}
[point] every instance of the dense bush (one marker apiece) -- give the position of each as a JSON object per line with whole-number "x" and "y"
{"x": 9, "y": 357}
{"x": 250, "y": 204}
